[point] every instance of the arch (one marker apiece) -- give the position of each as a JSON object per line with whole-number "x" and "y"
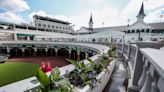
{"x": 63, "y": 52}
{"x": 82, "y": 55}
{"x": 41, "y": 52}
{"x": 29, "y": 52}
{"x": 93, "y": 40}
{"x": 137, "y": 31}
{"x": 4, "y": 50}
{"x": 133, "y": 31}
{"x": 74, "y": 54}
{"x": 51, "y": 52}
{"x": 13, "y": 52}
{"x": 90, "y": 54}
{"x": 19, "y": 52}
{"x": 147, "y": 31}
{"x": 142, "y": 30}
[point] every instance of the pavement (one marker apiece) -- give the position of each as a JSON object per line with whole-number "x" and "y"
{"x": 115, "y": 84}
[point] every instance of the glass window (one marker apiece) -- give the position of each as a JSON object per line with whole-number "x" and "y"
{"x": 52, "y": 26}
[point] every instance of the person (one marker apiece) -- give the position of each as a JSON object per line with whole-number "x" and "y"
{"x": 49, "y": 68}
{"x": 43, "y": 67}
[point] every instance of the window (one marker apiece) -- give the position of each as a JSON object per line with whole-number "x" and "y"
{"x": 132, "y": 31}
{"x": 39, "y": 25}
{"x": 147, "y": 31}
{"x": 138, "y": 31}
{"x": 56, "y": 27}
{"x": 48, "y": 26}
{"x": 52, "y": 26}
{"x": 44, "y": 25}
{"x": 142, "y": 30}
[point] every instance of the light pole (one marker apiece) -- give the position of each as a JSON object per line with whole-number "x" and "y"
{"x": 139, "y": 35}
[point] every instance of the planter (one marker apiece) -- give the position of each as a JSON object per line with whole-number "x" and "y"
{"x": 103, "y": 77}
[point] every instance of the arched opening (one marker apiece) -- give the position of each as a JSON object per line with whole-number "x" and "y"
{"x": 74, "y": 54}
{"x": 147, "y": 31}
{"x": 63, "y": 52}
{"x": 82, "y": 55}
{"x": 41, "y": 52}
{"x": 29, "y": 52}
{"x": 138, "y": 31}
{"x": 19, "y": 52}
{"x": 4, "y": 50}
{"x": 51, "y": 52}
{"x": 90, "y": 54}
{"x": 13, "y": 52}
{"x": 142, "y": 30}
{"x": 93, "y": 40}
{"x": 133, "y": 31}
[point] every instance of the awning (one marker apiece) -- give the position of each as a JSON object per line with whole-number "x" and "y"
{"x": 25, "y": 35}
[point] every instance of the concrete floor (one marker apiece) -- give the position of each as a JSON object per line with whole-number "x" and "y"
{"x": 115, "y": 84}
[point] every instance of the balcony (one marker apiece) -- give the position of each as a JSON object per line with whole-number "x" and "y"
{"x": 145, "y": 66}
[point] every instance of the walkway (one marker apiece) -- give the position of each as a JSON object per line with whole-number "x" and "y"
{"x": 115, "y": 84}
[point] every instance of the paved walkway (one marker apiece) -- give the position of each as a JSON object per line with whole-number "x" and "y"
{"x": 116, "y": 82}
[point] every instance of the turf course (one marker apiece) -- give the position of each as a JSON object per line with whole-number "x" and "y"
{"x": 14, "y": 71}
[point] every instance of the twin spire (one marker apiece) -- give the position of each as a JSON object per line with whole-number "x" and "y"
{"x": 91, "y": 23}
{"x": 141, "y": 14}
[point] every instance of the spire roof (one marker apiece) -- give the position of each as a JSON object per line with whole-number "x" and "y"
{"x": 91, "y": 19}
{"x": 141, "y": 12}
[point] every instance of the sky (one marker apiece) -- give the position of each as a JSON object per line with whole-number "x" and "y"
{"x": 105, "y": 13}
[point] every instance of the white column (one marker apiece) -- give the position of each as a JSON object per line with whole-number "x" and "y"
{"x": 154, "y": 84}
{"x": 8, "y": 50}
{"x": 142, "y": 78}
{"x": 15, "y": 37}
{"x": 28, "y": 38}
{"x": 160, "y": 84}
{"x": 86, "y": 55}
{"x": 147, "y": 85}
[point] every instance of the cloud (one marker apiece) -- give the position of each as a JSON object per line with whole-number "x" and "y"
{"x": 14, "y": 5}
{"x": 105, "y": 16}
{"x": 11, "y": 17}
{"x": 155, "y": 16}
{"x": 153, "y": 4}
{"x": 12, "y": 8}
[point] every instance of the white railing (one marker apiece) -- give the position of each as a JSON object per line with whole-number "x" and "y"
{"x": 146, "y": 68}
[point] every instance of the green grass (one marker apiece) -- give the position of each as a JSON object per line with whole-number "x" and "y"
{"x": 12, "y": 72}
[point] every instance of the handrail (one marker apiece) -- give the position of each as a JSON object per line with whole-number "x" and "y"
{"x": 155, "y": 57}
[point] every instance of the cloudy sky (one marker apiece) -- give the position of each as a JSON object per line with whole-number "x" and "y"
{"x": 77, "y": 12}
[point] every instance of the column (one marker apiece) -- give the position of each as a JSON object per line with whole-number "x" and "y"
{"x": 86, "y": 55}
{"x": 56, "y": 52}
{"x": 46, "y": 50}
{"x": 23, "y": 50}
{"x": 35, "y": 51}
{"x": 148, "y": 81}
{"x": 15, "y": 37}
{"x": 28, "y": 38}
{"x": 69, "y": 53}
{"x": 78, "y": 55}
{"x": 154, "y": 85}
{"x": 8, "y": 50}
{"x": 142, "y": 78}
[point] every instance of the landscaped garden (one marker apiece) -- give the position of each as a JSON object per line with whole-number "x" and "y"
{"x": 15, "y": 71}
